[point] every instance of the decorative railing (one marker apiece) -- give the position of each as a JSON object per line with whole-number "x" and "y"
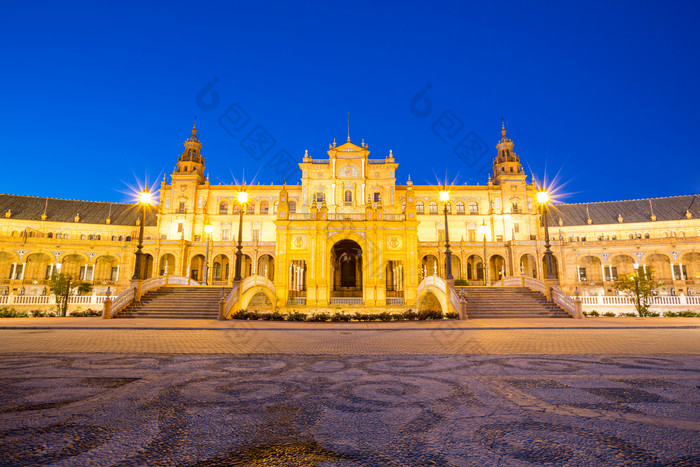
{"x": 122, "y": 301}
{"x": 622, "y": 300}
{"x": 339, "y": 216}
{"x": 296, "y": 300}
{"x": 51, "y": 299}
{"x": 376, "y": 161}
{"x": 128, "y": 296}
{"x": 320, "y": 161}
{"x": 434, "y": 281}
{"x": 454, "y": 300}
{"x": 346, "y": 301}
{"x": 247, "y": 283}
{"x": 231, "y": 299}
{"x": 395, "y": 301}
{"x": 558, "y": 296}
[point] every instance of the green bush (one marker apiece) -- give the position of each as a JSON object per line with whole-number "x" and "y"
{"x": 83, "y": 314}
{"x": 609, "y": 314}
{"x": 452, "y": 315}
{"x": 591, "y": 313}
{"x": 687, "y": 314}
{"x": 429, "y": 314}
{"x": 296, "y": 316}
{"x": 12, "y": 313}
{"x": 461, "y": 282}
{"x": 653, "y": 314}
{"x": 319, "y": 317}
{"x": 410, "y": 315}
{"x": 670, "y": 314}
{"x": 629, "y": 315}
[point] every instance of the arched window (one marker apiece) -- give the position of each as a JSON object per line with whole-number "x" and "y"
{"x": 50, "y": 235}
{"x": 420, "y": 208}
{"x": 236, "y": 208}
{"x": 121, "y": 238}
{"x": 82, "y": 236}
{"x": 292, "y": 206}
{"x": 128, "y": 238}
{"x": 473, "y": 207}
{"x": 673, "y": 234}
{"x": 631, "y": 236}
{"x": 460, "y": 207}
{"x": 250, "y": 208}
{"x": 403, "y": 206}
{"x": 274, "y": 207}
{"x": 432, "y": 207}
{"x": 646, "y": 236}
{"x": 348, "y": 198}
{"x": 614, "y": 237}
{"x": 223, "y": 207}
{"x": 264, "y": 207}
{"x": 98, "y": 237}
{"x": 114, "y": 238}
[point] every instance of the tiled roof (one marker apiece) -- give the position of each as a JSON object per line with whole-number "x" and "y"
{"x": 635, "y": 210}
{"x": 64, "y": 210}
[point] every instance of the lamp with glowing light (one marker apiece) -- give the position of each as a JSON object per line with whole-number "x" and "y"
{"x": 242, "y": 201}
{"x": 543, "y": 201}
{"x": 445, "y": 199}
{"x": 483, "y": 231}
{"x": 208, "y": 229}
{"x": 145, "y": 199}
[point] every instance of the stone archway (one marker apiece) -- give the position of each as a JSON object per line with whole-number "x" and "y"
{"x": 430, "y": 266}
{"x": 346, "y": 269}
{"x": 528, "y": 265}
{"x": 266, "y": 267}
{"x": 497, "y": 267}
{"x": 167, "y": 264}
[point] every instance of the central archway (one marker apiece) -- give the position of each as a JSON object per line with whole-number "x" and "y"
{"x": 346, "y": 267}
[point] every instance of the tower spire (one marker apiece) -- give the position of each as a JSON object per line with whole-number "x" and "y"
{"x": 503, "y": 127}
{"x": 348, "y": 127}
{"x": 194, "y": 128}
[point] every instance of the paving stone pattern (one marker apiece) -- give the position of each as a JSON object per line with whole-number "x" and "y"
{"x": 207, "y": 410}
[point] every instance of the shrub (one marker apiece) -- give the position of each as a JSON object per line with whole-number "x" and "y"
{"x": 340, "y": 317}
{"x": 241, "y": 314}
{"x": 629, "y": 315}
{"x": 687, "y": 314}
{"x": 461, "y": 282}
{"x": 319, "y": 317}
{"x": 263, "y": 316}
{"x": 609, "y": 314}
{"x": 384, "y": 316}
{"x": 81, "y": 314}
{"x": 12, "y": 313}
{"x": 670, "y": 314}
{"x": 653, "y": 314}
{"x": 592, "y": 313}
{"x": 296, "y": 316}
{"x": 452, "y": 315}
{"x": 429, "y": 314}
{"x": 410, "y": 315}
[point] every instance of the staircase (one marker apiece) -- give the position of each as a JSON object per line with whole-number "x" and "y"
{"x": 178, "y": 302}
{"x": 510, "y": 302}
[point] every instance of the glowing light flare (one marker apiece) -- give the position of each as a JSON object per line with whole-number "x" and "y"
{"x": 444, "y": 196}
{"x": 483, "y": 230}
{"x": 208, "y": 229}
{"x": 145, "y": 197}
{"x": 242, "y": 197}
{"x": 542, "y": 197}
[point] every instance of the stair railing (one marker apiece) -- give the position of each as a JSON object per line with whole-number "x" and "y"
{"x": 127, "y": 297}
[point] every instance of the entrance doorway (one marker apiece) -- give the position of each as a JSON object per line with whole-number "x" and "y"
{"x": 346, "y": 269}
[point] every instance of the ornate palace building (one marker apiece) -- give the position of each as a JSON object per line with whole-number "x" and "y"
{"x": 349, "y": 233}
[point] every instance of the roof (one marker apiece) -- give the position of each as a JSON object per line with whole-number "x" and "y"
{"x": 670, "y": 208}
{"x": 64, "y": 210}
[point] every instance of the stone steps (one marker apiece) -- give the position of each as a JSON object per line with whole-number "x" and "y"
{"x": 510, "y": 302}
{"x": 178, "y": 302}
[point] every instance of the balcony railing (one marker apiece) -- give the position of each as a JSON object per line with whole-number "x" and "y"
{"x": 346, "y": 301}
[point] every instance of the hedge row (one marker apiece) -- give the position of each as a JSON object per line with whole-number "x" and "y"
{"x": 652, "y": 314}
{"x": 12, "y": 313}
{"x": 338, "y": 317}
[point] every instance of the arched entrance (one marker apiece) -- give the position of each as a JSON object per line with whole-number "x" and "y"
{"x": 220, "y": 270}
{"x": 555, "y": 267}
{"x": 75, "y": 266}
{"x": 266, "y": 267}
{"x": 167, "y": 264}
{"x": 346, "y": 269}
{"x": 38, "y": 267}
{"x": 430, "y": 266}
{"x": 497, "y": 267}
{"x": 394, "y": 279}
{"x": 528, "y": 265}
{"x": 197, "y": 268}
{"x": 106, "y": 269}
{"x": 475, "y": 268}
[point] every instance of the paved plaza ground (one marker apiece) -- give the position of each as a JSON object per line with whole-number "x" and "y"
{"x": 87, "y": 391}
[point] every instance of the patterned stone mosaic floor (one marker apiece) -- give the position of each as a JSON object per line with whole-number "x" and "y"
{"x": 205, "y": 410}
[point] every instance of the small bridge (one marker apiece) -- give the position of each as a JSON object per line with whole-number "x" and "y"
{"x": 434, "y": 286}
{"x": 240, "y": 297}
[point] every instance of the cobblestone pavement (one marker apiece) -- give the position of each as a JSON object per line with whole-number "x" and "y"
{"x": 77, "y": 409}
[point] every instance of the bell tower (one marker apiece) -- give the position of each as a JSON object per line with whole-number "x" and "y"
{"x": 191, "y": 162}
{"x": 506, "y": 165}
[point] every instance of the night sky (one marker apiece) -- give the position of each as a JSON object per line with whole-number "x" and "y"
{"x": 96, "y": 98}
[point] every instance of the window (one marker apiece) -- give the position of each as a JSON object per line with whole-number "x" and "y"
{"x": 164, "y": 236}
{"x": 223, "y": 207}
{"x": 274, "y": 207}
{"x": 250, "y": 208}
{"x": 180, "y": 227}
{"x": 432, "y": 207}
{"x": 403, "y": 206}
{"x": 646, "y": 236}
{"x": 115, "y": 273}
{"x": 50, "y": 235}
{"x": 515, "y": 209}
{"x": 319, "y": 198}
{"x": 256, "y": 235}
{"x": 472, "y": 235}
{"x": 59, "y": 235}
{"x": 610, "y": 273}
{"x": 181, "y": 209}
{"x": 49, "y": 271}
{"x": 499, "y": 238}
{"x": 420, "y": 208}
{"x": 264, "y": 207}
{"x": 582, "y": 274}
{"x": 679, "y": 272}
{"x": 292, "y": 206}
{"x": 86, "y": 272}
{"x": 460, "y": 207}
{"x": 614, "y": 237}
{"x": 473, "y": 207}
{"x": 225, "y": 234}
{"x": 516, "y": 228}
{"x": 497, "y": 203}
{"x": 348, "y": 198}
{"x": 82, "y": 236}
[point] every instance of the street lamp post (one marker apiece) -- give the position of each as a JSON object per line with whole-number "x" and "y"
{"x": 543, "y": 200}
{"x": 144, "y": 200}
{"x": 242, "y": 200}
{"x": 484, "y": 230}
{"x": 636, "y": 281}
{"x": 208, "y": 229}
{"x": 445, "y": 198}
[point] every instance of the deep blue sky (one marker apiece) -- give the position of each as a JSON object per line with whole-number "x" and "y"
{"x": 95, "y": 96}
